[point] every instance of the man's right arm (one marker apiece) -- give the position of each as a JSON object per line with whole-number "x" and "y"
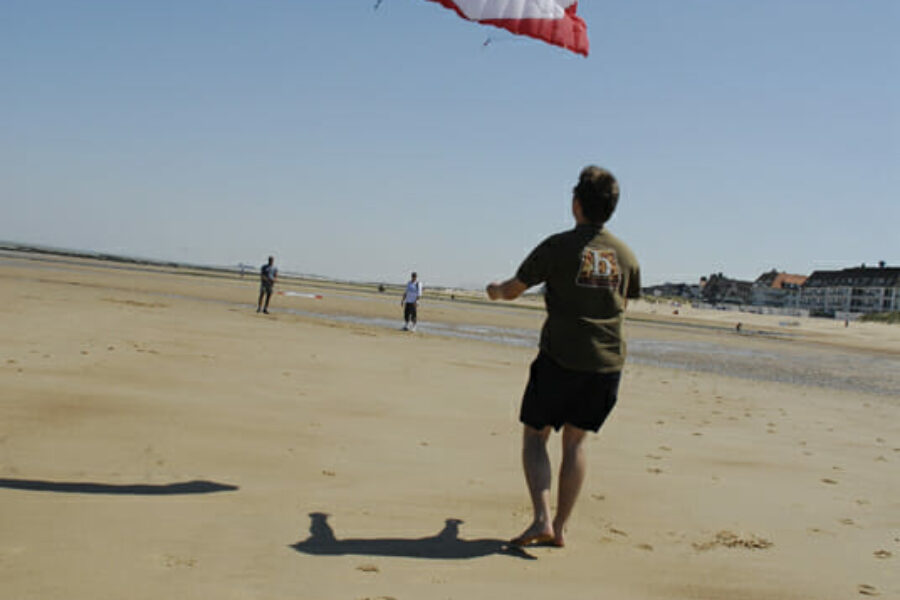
{"x": 510, "y": 289}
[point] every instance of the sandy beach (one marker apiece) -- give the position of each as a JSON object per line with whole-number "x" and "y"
{"x": 159, "y": 439}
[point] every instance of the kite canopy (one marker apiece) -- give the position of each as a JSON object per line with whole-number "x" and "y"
{"x": 553, "y": 21}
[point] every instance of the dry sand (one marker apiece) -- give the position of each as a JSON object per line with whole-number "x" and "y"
{"x": 159, "y": 439}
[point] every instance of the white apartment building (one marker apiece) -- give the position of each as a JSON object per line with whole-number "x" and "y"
{"x": 855, "y": 290}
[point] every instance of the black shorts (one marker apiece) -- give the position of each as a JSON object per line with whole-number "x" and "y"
{"x": 410, "y": 312}
{"x": 556, "y": 395}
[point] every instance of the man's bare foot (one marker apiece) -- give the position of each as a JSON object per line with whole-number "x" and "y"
{"x": 559, "y": 539}
{"x": 536, "y": 534}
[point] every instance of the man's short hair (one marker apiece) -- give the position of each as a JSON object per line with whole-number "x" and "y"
{"x": 598, "y": 193}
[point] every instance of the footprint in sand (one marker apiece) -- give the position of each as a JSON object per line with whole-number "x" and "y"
{"x": 328, "y": 473}
{"x": 882, "y": 554}
{"x": 367, "y": 568}
{"x": 866, "y": 590}
{"x": 654, "y": 470}
{"x": 846, "y": 522}
{"x": 646, "y": 547}
{"x": 828, "y": 481}
{"x": 598, "y": 496}
{"x": 653, "y": 456}
{"x": 665, "y": 448}
{"x": 177, "y": 561}
{"x": 606, "y": 539}
{"x": 12, "y": 361}
{"x": 728, "y": 539}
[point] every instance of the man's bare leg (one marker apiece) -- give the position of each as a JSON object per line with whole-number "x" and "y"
{"x": 571, "y": 476}
{"x": 538, "y": 476}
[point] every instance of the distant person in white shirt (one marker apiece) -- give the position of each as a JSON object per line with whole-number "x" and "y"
{"x": 410, "y": 302}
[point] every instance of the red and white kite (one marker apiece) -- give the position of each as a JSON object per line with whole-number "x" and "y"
{"x": 553, "y": 21}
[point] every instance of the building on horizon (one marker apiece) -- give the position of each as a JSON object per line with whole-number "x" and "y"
{"x": 856, "y": 290}
{"x": 778, "y": 289}
{"x": 718, "y": 289}
{"x": 673, "y": 290}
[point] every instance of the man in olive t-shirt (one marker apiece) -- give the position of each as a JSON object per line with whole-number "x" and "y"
{"x": 573, "y": 383}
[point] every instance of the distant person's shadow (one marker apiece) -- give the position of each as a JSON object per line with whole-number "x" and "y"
{"x": 445, "y": 545}
{"x": 73, "y": 487}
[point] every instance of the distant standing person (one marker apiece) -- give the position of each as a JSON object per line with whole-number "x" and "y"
{"x": 267, "y": 276}
{"x": 410, "y": 302}
{"x": 589, "y": 274}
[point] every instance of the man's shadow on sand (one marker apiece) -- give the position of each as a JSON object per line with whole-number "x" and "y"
{"x": 445, "y": 545}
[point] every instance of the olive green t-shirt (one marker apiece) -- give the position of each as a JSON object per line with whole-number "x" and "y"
{"x": 588, "y": 274}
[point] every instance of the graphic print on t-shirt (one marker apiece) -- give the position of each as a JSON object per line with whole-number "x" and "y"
{"x": 599, "y": 268}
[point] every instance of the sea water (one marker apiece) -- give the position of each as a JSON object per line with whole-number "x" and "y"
{"x": 835, "y": 368}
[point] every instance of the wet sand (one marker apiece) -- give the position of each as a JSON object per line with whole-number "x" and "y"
{"x": 161, "y": 439}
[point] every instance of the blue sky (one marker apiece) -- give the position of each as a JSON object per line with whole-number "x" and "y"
{"x": 363, "y": 144}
